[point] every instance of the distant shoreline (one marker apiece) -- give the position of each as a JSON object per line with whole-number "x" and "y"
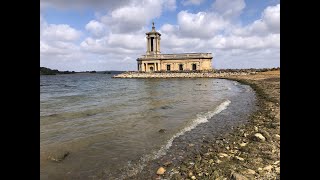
{"x": 48, "y": 71}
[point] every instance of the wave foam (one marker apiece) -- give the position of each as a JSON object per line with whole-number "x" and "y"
{"x": 201, "y": 118}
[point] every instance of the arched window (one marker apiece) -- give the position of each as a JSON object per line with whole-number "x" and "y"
{"x": 168, "y": 67}
{"x": 194, "y": 67}
{"x": 151, "y": 68}
{"x": 180, "y": 67}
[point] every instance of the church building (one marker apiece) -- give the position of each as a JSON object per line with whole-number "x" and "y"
{"x": 153, "y": 60}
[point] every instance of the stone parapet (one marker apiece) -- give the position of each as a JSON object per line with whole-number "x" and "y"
{"x": 177, "y": 56}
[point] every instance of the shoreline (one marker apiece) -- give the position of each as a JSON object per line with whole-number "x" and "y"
{"x": 250, "y": 151}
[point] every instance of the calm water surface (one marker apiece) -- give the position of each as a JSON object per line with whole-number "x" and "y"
{"x": 109, "y": 124}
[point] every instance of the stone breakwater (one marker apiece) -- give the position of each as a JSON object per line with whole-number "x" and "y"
{"x": 182, "y": 75}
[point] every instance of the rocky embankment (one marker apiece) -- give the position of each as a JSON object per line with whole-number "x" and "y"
{"x": 180, "y": 75}
{"x": 250, "y": 151}
{"x": 198, "y": 74}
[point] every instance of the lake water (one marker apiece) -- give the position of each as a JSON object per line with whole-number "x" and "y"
{"x": 112, "y": 125}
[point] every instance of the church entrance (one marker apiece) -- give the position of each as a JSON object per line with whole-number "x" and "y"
{"x": 151, "y": 68}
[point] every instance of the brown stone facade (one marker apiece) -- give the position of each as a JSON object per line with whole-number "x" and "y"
{"x": 153, "y": 60}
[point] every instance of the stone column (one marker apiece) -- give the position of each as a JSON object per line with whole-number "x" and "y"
{"x": 147, "y": 45}
{"x": 158, "y": 45}
{"x": 155, "y": 45}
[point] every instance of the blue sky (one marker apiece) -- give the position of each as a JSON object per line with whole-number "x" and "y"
{"x": 110, "y": 35}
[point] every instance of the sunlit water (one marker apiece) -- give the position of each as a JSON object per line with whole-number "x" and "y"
{"x": 109, "y": 124}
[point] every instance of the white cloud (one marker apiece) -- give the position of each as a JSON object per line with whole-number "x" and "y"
{"x": 191, "y": 2}
{"x": 133, "y": 17}
{"x": 98, "y": 4}
{"x": 61, "y": 32}
{"x": 271, "y": 16}
{"x": 96, "y": 28}
{"x": 57, "y": 44}
{"x": 269, "y": 23}
{"x": 252, "y": 42}
{"x": 229, "y": 8}
{"x": 201, "y": 24}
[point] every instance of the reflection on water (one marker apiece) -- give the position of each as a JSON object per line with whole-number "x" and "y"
{"x": 108, "y": 123}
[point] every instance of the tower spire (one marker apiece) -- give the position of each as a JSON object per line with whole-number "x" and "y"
{"x": 153, "y": 28}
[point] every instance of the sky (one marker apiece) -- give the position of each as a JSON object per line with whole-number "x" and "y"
{"x": 87, "y": 35}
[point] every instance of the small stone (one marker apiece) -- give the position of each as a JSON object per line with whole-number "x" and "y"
{"x": 58, "y": 157}
{"x": 161, "y": 171}
{"x": 222, "y": 155}
{"x": 256, "y": 128}
{"x": 218, "y": 161}
{"x": 277, "y": 170}
{"x": 227, "y": 148}
{"x": 211, "y": 161}
{"x": 260, "y": 137}
{"x": 265, "y": 134}
{"x": 167, "y": 163}
{"x": 190, "y": 174}
{"x": 237, "y": 176}
{"x": 259, "y": 169}
{"x": 239, "y": 158}
{"x": 193, "y": 177}
{"x": 277, "y": 162}
{"x": 250, "y": 171}
{"x": 268, "y": 168}
{"x": 243, "y": 144}
{"x": 190, "y": 145}
{"x": 162, "y": 131}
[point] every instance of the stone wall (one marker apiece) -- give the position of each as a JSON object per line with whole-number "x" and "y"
{"x": 161, "y": 65}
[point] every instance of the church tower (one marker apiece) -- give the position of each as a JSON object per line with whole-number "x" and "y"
{"x": 153, "y": 41}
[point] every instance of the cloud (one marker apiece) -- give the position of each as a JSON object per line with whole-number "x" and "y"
{"x": 271, "y": 17}
{"x": 269, "y": 23}
{"x": 229, "y": 8}
{"x": 57, "y": 44}
{"x": 201, "y": 24}
{"x": 69, "y": 4}
{"x": 96, "y": 28}
{"x": 132, "y": 17}
{"x": 252, "y": 42}
{"x": 115, "y": 44}
{"x": 61, "y": 32}
{"x": 191, "y": 2}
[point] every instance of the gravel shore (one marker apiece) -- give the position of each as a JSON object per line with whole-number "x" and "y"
{"x": 250, "y": 151}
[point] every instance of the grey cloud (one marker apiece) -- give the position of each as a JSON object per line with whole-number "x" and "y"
{"x": 67, "y": 4}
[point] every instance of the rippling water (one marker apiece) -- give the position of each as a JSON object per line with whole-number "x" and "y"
{"x": 109, "y": 124}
